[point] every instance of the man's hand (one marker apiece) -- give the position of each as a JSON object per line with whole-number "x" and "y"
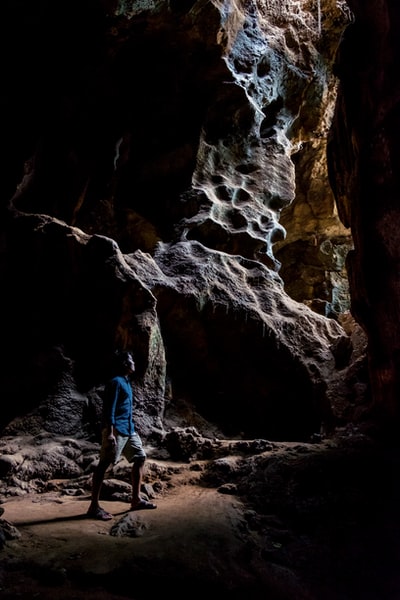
{"x": 112, "y": 440}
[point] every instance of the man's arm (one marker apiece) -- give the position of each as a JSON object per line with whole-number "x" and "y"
{"x": 111, "y": 397}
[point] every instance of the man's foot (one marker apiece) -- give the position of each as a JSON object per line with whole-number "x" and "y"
{"x": 143, "y": 505}
{"x": 99, "y": 513}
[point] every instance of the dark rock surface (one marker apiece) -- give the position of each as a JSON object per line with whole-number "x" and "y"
{"x": 364, "y": 158}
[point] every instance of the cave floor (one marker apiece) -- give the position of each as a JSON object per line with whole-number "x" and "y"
{"x": 342, "y": 546}
{"x": 193, "y": 533}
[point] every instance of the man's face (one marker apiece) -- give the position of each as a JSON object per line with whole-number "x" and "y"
{"x": 130, "y": 364}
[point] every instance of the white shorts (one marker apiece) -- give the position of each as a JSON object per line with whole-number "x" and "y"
{"x": 129, "y": 446}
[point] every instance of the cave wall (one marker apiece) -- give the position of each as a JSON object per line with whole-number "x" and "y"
{"x": 149, "y": 161}
{"x": 363, "y": 159}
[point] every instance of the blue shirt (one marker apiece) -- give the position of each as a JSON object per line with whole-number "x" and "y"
{"x": 118, "y": 405}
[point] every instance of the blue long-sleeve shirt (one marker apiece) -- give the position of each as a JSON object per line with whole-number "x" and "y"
{"x": 118, "y": 405}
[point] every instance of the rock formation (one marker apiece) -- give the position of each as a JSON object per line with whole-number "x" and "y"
{"x": 363, "y": 165}
{"x": 146, "y": 178}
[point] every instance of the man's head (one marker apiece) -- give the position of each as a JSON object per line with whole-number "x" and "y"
{"x": 124, "y": 363}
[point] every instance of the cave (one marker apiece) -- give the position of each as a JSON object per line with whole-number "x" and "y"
{"x": 212, "y": 186}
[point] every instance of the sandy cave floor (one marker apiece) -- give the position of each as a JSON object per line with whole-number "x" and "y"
{"x": 63, "y": 554}
{"x": 200, "y": 541}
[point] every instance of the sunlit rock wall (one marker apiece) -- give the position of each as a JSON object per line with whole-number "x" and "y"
{"x": 314, "y": 251}
{"x": 148, "y": 168}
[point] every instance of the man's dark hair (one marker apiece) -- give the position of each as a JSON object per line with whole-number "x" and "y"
{"x": 121, "y": 359}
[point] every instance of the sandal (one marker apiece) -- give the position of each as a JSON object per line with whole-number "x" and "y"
{"x": 143, "y": 505}
{"x": 99, "y": 513}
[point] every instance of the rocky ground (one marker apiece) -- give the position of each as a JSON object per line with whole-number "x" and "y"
{"x": 287, "y": 522}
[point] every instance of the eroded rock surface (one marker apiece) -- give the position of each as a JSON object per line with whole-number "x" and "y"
{"x": 145, "y": 211}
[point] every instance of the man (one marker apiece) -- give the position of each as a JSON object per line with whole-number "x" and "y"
{"x": 119, "y": 437}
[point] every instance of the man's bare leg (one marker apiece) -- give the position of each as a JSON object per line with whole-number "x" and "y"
{"x": 137, "y": 502}
{"x": 95, "y": 509}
